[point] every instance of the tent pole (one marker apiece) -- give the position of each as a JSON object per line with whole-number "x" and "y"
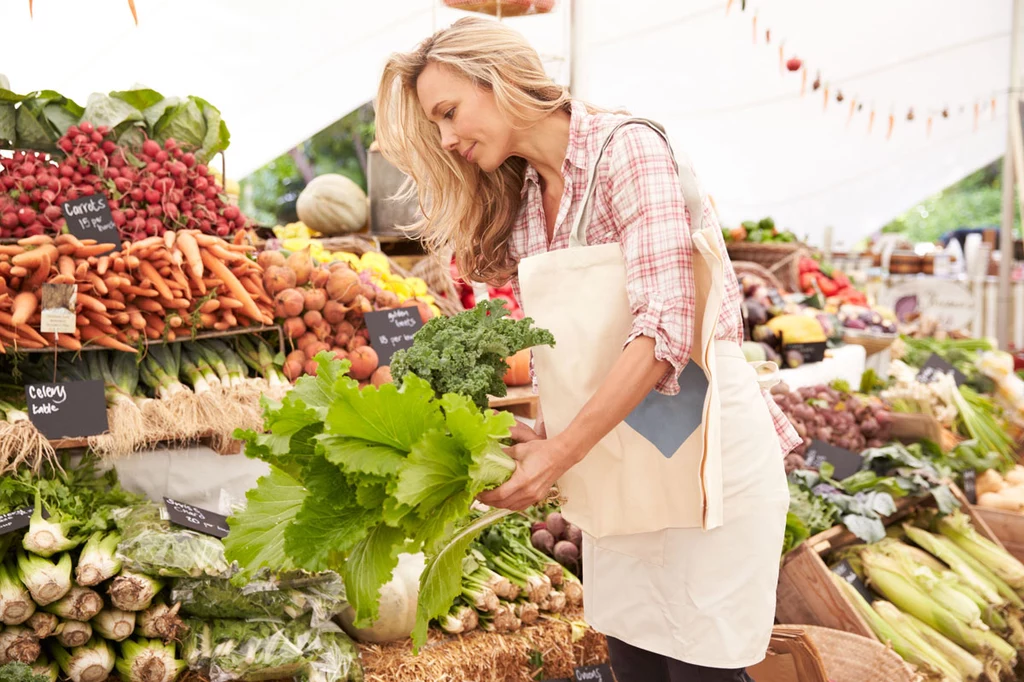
{"x": 1006, "y": 232}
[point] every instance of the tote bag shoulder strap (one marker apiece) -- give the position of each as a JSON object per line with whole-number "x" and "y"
{"x": 687, "y": 181}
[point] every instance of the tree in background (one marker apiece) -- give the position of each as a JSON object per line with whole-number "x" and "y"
{"x": 975, "y": 201}
{"x": 269, "y": 194}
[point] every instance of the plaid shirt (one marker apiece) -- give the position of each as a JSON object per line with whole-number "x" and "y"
{"x": 639, "y": 204}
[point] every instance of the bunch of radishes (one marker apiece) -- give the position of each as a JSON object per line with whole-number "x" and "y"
{"x": 559, "y": 539}
{"x": 157, "y": 189}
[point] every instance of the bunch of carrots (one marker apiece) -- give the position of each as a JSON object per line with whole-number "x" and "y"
{"x": 156, "y": 289}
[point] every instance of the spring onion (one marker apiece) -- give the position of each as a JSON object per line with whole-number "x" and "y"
{"x": 91, "y": 662}
{"x": 132, "y": 591}
{"x": 98, "y": 561}
{"x": 46, "y": 581}
{"x": 148, "y": 660}
{"x": 16, "y": 605}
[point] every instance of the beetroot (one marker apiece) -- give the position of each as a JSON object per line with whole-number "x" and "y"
{"x": 556, "y": 524}
{"x": 566, "y": 553}
{"x": 543, "y": 540}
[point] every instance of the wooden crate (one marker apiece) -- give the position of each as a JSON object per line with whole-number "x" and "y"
{"x": 806, "y": 594}
{"x": 520, "y": 401}
{"x": 1007, "y": 526}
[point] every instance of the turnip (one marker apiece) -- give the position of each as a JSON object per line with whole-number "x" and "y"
{"x": 556, "y": 525}
{"x": 288, "y": 303}
{"x": 313, "y": 318}
{"x": 364, "y": 362}
{"x": 294, "y": 327}
{"x": 315, "y": 300}
{"x": 311, "y": 367}
{"x": 356, "y": 342}
{"x": 381, "y": 376}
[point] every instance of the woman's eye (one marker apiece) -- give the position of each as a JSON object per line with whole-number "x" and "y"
{"x": 450, "y": 113}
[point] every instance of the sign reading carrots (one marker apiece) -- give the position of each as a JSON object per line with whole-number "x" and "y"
{"x": 89, "y": 217}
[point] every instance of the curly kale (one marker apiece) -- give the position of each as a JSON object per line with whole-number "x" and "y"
{"x": 466, "y": 354}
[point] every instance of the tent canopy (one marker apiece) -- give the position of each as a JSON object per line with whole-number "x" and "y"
{"x": 280, "y": 73}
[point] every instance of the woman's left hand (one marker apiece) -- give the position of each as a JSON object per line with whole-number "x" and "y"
{"x": 539, "y": 463}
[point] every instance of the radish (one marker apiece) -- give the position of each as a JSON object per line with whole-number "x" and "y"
{"x": 84, "y": 127}
{"x": 231, "y": 212}
{"x": 52, "y": 213}
{"x": 150, "y": 148}
{"x": 9, "y": 220}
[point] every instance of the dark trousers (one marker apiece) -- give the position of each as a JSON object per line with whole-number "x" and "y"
{"x": 636, "y": 665}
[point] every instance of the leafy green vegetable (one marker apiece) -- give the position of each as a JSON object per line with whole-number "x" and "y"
{"x": 153, "y": 546}
{"x": 381, "y": 471}
{"x": 19, "y": 672}
{"x": 466, "y": 354}
{"x": 796, "y": 532}
{"x": 284, "y": 597}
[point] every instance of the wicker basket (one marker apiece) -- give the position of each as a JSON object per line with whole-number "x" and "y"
{"x": 873, "y": 343}
{"x": 782, "y": 260}
{"x": 852, "y": 658}
{"x": 503, "y": 8}
{"x": 743, "y": 267}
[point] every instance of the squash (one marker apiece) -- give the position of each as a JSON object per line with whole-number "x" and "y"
{"x": 333, "y": 205}
{"x": 398, "y": 601}
{"x": 518, "y": 373}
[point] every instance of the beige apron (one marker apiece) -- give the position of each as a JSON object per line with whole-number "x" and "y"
{"x": 679, "y": 558}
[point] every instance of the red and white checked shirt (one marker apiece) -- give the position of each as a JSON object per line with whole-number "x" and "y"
{"x": 639, "y": 204}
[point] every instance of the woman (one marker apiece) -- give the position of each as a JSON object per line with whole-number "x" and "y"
{"x": 670, "y": 456}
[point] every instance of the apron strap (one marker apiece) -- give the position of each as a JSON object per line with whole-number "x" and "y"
{"x": 687, "y": 182}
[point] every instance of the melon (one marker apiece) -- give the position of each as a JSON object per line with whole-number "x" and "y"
{"x": 333, "y": 205}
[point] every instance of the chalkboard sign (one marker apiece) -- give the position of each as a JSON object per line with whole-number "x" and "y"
{"x": 15, "y": 520}
{"x": 75, "y": 409}
{"x": 196, "y": 519}
{"x": 89, "y": 218}
{"x": 846, "y": 572}
{"x": 392, "y": 330}
{"x": 810, "y": 352}
{"x": 594, "y": 673}
{"x": 971, "y": 486}
{"x": 844, "y": 462}
{"x": 935, "y": 366}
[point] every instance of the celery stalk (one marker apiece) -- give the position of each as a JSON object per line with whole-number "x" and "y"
{"x": 91, "y": 662}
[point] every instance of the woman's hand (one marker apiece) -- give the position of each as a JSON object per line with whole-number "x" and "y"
{"x": 539, "y": 463}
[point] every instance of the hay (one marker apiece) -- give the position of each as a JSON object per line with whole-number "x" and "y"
{"x": 488, "y": 657}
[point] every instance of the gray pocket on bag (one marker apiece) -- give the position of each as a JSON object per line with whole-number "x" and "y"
{"x": 668, "y": 420}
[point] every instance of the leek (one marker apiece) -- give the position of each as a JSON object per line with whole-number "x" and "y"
{"x": 46, "y": 582}
{"x": 16, "y": 605}
{"x": 18, "y": 644}
{"x": 133, "y": 591}
{"x": 43, "y": 624}
{"x": 885, "y": 576}
{"x": 91, "y": 662}
{"x": 957, "y": 527}
{"x": 71, "y": 633}
{"x": 114, "y": 624}
{"x": 46, "y": 537}
{"x": 80, "y": 603}
{"x": 901, "y": 621}
{"x": 47, "y": 669}
{"x": 193, "y": 373}
{"x": 215, "y": 358}
{"x": 98, "y": 561}
{"x": 148, "y": 660}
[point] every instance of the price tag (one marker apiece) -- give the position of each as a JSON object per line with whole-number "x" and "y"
{"x": 197, "y": 519}
{"x": 16, "y": 520}
{"x": 58, "y": 315}
{"x": 594, "y": 673}
{"x": 936, "y": 366}
{"x": 844, "y": 462}
{"x": 846, "y": 572}
{"x": 810, "y": 352}
{"x": 392, "y": 330}
{"x": 89, "y": 218}
{"x": 971, "y": 486}
{"x": 75, "y": 409}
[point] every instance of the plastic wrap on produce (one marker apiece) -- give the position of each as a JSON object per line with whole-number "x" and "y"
{"x": 320, "y": 596}
{"x": 252, "y": 651}
{"x": 154, "y": 546}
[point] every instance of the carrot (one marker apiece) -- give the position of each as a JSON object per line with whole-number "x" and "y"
{"x": 153, "y": 322}
{"x": 169, "y": 236}
{"x": 19, "y": 271}
{"x": 175, "y": 321}
{"x": 132, "y": 262}
{"x": 25, "y": 304}
{"x": 209, "y": 306}
{"x": 120, "y": 319}
{"x": 101, "y": 321}
{"x": 148, "y": 272}
{"x": 222, "y": 326}
{"x": 212, "y": 282}
{"x": 19, "y": 341}
{"x": 178, "y": 276}
{"x": 68, "y": 342}
{"x": 153, "y": 335}
{"x": 229, "y": 303}
{"x": 41, "y": 274}
{"x": 94, "y": 250}
{"x": 225, "y": 255}
{"x": 82, "y": 270}
{"x": 115, "y": 295}
{"x": 149, "y": 305}
{"x": 136, "y": 320}
{"x": 131, "y": 6}
{"x": 32, "y": 259}
{"x": 66, "y": 250}
{"x": 62, "y": 279}
{"x": 139, "y": 291}
{"x": 147, "y": 243}
{"x": 5, "y": 269}
{"x": 11, "y": 250}
{"x": 35, "y": 240}
{"x": 3, "y": 286}
{"x": 226, "y": 316}
{"x": 119, "y": 265}
{"x": 176, "y": 304}
{"x": 20, "y": 330}
{"x": 89, "y": 303}
{"x": 66, "y": 266}
{"x": 67, "y": 238}
{"x": 93, "y": 335}
{"x": 235, "y": 287}
{"x": 190, "y": 249}
{"x": 112, "y": 304}
{"x": 207, "y": 320}
{"x": 97, "y": 283}
{"x": 102, "y": 265}
{"x": 82, "y": 321}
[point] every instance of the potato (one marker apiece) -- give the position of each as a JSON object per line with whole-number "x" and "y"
{"x": 1015, "y": 476}
{"x": 999, "y": 501}
{"x": 990, "y": 482}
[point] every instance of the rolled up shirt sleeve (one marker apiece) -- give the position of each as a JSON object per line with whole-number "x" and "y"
{"x": 651, "y": 217}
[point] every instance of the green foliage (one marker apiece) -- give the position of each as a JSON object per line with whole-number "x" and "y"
{"x": 975, "y": 201}
{"x": 269, "y": 193}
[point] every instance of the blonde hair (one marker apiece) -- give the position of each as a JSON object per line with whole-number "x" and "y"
{"x": 462, "y": 207}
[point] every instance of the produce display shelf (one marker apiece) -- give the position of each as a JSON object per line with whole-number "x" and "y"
{"x": 1008, "y": 526}
{"x": 230, "y": 447}
{"x": 237, "y": 331}
{"x": 520, "y": 401}
{"x": 806, "y": 593}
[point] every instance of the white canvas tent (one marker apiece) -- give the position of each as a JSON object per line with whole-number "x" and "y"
{"x": 280, "y": 72}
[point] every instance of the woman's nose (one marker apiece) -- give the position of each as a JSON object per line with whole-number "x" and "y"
{"x": 449, "y": 140}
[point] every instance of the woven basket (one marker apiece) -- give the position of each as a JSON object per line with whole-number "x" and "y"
{"x": 852, "y": 658}
{"x": 782, "y": 260}
{"x": 503, "y": 8}
{"x": 873, "y": 343}
{"x": 743, "y": 267}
